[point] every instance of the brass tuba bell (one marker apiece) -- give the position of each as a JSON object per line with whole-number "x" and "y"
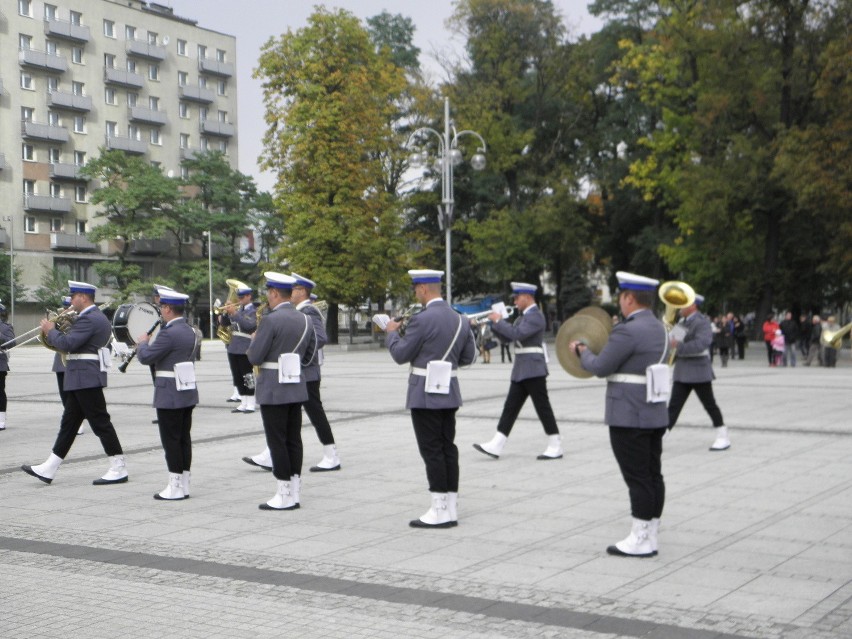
{"x": 675, "y": 295}
{"x": 834, "y": 339}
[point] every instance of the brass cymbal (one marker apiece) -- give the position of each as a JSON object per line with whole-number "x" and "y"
{"x": 584, "y": 328}
{"x": 597, "y": 312}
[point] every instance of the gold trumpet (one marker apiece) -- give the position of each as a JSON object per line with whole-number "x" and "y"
{"x": 225, "y": 333}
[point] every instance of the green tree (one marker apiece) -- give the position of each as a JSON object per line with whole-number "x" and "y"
{"x": 54, "y": 286}
{"x": 5, "y": 284}
{"x": 330, "y": 101}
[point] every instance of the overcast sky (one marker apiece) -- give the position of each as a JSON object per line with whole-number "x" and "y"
{"x": 253, "y": 22}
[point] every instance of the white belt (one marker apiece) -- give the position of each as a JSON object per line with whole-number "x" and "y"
{"x": 241, "y": 334}
{"x": 526, "y": 350}
{"x": 73, "y": 356}
{"x": 272, "y": 365}
{"x": 626, "y": 378}
{"x": 421, "y": 372}
{"x": 165, "y": 374}
{"x": 701, "y": 354}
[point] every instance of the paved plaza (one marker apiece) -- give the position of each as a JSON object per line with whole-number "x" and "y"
{"x": 754, "y": 542}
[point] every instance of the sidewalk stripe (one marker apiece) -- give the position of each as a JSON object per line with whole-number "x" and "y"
{"x": 560, "y": 617}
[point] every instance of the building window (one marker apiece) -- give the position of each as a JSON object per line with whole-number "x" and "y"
{"x": 152, "y": 37}
{"x": 155, "y": 136}
{"x": 52, "y": 84}
{"x": 25, "y": 42}
{"x": 153, "y": 71}
{"x": 129, "y": 32}
{"x": 81, "y": 194}
{"x": 184, "y": 140}
{"x": 220, "y": 55}
{"x": 80, "y": 226}
{"x": 76, "y": 18}
{"x": 183, "y": 78}
{"x": 109, "y": 60}
{"x": 109, "y": 28}
{"x": 79, "y": 124}
{"x": 202, "y": 82}
{"x": 29, "y": 187}
{"x": 25, "y": 8}
{"x": 27, "y": 81}
{"x": 79, "y": 158}
{"x": 183, "y": 110}
{"x": 77, "y": 55}
{"x": 110, "y": 96}
{"x": 55, "y": 189}
{"x": 27, "y": 114}
{"x": 185, "y": 237}
{"x": 184, "y": 172}
{"x": 29, "y": 224}
{"x": 202, "y": 52}
{"x": 51, "y": 48}
{"x": 56, "y": 225}
{"x": 54, "y": 155}
{"x": 222, "y": 87}
{"x": 223, "y": 116}
{"x": 133, "y": 132}
{"x": 49, "y": 12}
{"x": 132, "y": 99}
{"x": 111, "y": 128}
{"x": 181, "y": 47}
{"x": 28, "y": 152}
{"x": 202, "y": 113}
{"x": 53, "y": 118}
{"x": 131, "y": 66}
{"x": 204, "y": 145}
{"x": 153, "y": 103}
{"x": 155, "y": 164}
{"x": 223, "y": 146}
{"x": 78, "y": 88}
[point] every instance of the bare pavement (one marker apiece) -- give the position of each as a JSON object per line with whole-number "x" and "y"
{"x": 754, "y": 542}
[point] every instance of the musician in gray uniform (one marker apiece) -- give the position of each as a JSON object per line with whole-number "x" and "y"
{"x": 171, "y": 355}
{"x": 87, "y": 345}
{"x": 301, "y": 296}
{"x": 636, "y": 426}
{"x": 282, "y": 346}
{"x": 436, "y": 342}
{"x": 243, "y": 320}
{"x": 693, "y": 370}
{"x": 7, "y": 337}
{"x": 529, "y": 373}
{"x": 58, "y": 367}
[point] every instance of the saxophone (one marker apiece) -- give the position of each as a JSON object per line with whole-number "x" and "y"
{"x": 250, "y": 379}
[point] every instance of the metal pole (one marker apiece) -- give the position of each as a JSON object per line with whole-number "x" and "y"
{"x": 210, "y": 277}
{"x": 11, "y": 221}
{"x": 447, "y": 200}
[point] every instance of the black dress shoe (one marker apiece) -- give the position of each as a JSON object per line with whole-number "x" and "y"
{"x": 548, "y": 457}
{"x": 231, "y": 399}
{"x": 251, "y": 462}
{"x": 155, "y": 421}
{"x": 613, "y": 550}
{"x": 29, "y": 470}
{"x": 245, "y": 412}
{"x": 320, "y": 469}
{"x": 157, "y": 497}
{"x": 265, "y": 506}
{"x": 482, "y": 450}
{"x": 107, "y": 482}
{"x": 416, "y": 523}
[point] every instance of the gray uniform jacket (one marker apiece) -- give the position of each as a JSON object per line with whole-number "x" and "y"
{"x": 58, "y": 366}
{"x": 692, "y": 364}
{"x": 175, "y": 343}
{"x": 7, "y": 333}
{"x": 633, "y": 345}
{"x": 89, "y": 332}
{"x": 280, "y": 332}
{"x": 527, "y": 331}
{"x": 428, "y": 336}
{"x": 312, "y": 371}
{"x": 245, "y": 322}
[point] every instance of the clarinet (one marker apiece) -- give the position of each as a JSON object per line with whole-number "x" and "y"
{"x": 126, "y": 363}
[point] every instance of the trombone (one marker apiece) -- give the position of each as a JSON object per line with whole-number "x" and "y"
{"x": 65, "y": 317}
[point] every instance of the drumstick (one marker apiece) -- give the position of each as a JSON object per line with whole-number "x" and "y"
{"x": 126, "y": 363}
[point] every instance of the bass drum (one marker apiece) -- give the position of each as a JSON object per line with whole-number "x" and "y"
{"x": 132, "y": 320}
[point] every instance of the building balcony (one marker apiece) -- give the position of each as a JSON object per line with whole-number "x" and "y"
{"x": 46, "y": 132}
{"x": 56, "y": 28}
{"x": 190, "y": 154}
{"x": 196, "y": 94}
{"x": 142, "y": 49}
{"x": 69, "y": 101}
{"x": 146, "y": 115}
{"x": 214, "y": 67}
{"x": 42, "y": 60}
{"x": 47, "y": 204}
{"x": 122, "y": 78}
{"x": 128, "y": 145}
{"x": 63, "y": 171}
{"x": 149, "y": 247}
{"x": 68, "y": 242}
{"x": 214, "y": 127}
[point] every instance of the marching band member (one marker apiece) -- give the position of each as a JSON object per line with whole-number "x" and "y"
{"x": 85, "y": 378}
{"x": 301, "y": 296}
{"x": 529, "y": 373}
{"x": 283, "y": 344}
{"x": 436, "y": 342}
{"x": 243, "y": 319}
{"x": 636, "y": 426}
{"x": 155, "y": 299}
{"x": 59, "y": 368}
{"x": 175, "y": 392}
{"x": 7, "y": 334}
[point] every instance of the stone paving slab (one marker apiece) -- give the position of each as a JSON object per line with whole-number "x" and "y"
{"x": 755, "y": 541}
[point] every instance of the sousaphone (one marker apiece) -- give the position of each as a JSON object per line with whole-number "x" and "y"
{"x": 591, "y": 326}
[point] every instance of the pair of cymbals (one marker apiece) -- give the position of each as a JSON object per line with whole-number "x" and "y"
{"x": 591, "y": 326}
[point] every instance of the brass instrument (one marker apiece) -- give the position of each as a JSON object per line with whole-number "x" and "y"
{"x": 406, "y": 316}
{"x": 63, "y": 319}
{"x": 225, "y": 333}
{"x": 591, "y": 326}
{"x": 834, "y": 339}
{"x": 35, "y": 333}
{"x": 675, "y": 295}
{"x": 482, "y": 316}
{"x": 250, "y": 379}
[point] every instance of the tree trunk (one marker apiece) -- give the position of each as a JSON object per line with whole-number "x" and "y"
{"x": 331, "y": 323}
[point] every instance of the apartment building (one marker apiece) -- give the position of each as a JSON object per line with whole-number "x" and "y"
{"x": 79, "y": 75}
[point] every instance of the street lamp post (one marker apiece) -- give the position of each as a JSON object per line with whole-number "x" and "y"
{"x": 11, "y": 221}
{"x": 449, "y": 157}
{"x": 209, "y": 236}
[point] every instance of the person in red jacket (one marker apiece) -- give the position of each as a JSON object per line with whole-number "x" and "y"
{"x": 769, "y": 328}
